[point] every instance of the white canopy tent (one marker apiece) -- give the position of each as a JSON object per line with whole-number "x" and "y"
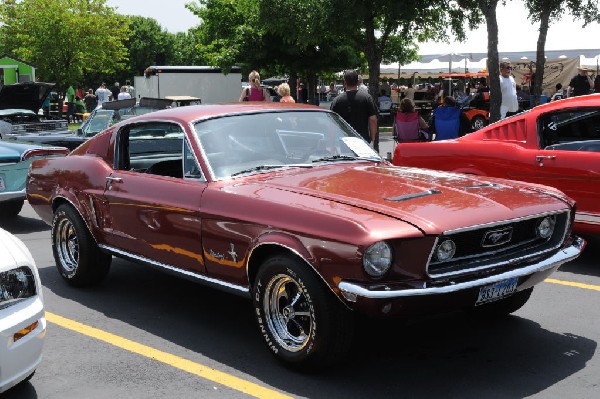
{"x": 476, "y": 62}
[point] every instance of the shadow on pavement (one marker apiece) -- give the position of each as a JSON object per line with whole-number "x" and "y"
{"x": 450, "y": 356}
{"x": 23, "y": 224}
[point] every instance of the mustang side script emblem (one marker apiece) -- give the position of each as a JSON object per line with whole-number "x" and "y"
{"x": 493, "y": 238}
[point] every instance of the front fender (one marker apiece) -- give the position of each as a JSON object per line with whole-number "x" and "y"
{"x": 330, "y": 261}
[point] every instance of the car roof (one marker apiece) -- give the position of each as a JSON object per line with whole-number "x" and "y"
{"x": 195, "y": 112}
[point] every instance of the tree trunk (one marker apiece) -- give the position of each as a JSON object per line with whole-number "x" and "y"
{"x": 373, "y": 55}
{"x": 488, "y": 8}
{"x": 540, "y": 60}
{"x": 311, "y": 84}
{"x": 293, "y": 85}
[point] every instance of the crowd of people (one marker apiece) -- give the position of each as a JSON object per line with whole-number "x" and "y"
{"x": 79, "y": 102}
{"x": 447, "y": 120}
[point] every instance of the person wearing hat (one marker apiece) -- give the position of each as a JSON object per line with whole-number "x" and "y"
{"x": 581, "y": 84}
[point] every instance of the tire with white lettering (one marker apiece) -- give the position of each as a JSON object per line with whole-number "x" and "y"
{"x": 78, "y": 259}
{"x": 504, "y": 307}
{"x": 304, "y": 325}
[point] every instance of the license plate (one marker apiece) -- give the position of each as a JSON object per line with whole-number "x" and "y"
{"x": 2, "y": 186}
{"x": 497, "y": 291}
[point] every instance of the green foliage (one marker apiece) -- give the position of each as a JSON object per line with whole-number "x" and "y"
{"x": 147, "y": 40}
{"x": 64, "y": 39}
{"x": 547, "y": 11}
{"x": 583, "y": 10}
{"x": 227, "y": 30}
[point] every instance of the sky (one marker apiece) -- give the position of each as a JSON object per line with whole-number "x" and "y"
{"x": 516, "y": 33}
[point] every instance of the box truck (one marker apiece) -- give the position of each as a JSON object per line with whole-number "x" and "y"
{"x": 209, "y": 84}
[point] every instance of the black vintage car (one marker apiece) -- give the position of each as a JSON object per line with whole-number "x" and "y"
{"x": 108, "y": 114}
{"x": 19, "y": 111}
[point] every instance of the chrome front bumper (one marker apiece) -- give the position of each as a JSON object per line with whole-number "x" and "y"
{"x": 12, "y": 195}
{"x": 351, "y": 291}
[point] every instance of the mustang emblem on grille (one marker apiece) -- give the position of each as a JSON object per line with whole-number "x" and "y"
{"x": 493, "y": 238}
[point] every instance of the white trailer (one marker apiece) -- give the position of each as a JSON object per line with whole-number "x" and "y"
{"x": 210, "y": 84}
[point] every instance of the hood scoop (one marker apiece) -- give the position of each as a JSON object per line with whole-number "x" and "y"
{"x": 413, "y": 196}
{"x": 483, "y": 185}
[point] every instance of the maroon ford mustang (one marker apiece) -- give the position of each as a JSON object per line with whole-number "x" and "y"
{"x": 287, "y": 205}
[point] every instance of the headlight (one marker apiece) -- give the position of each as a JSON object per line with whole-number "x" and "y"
{"x": 445, "y": 250}
{"x": 545, "y": 228}
{"x": 15, "y": 285}
{"x": 377, "y": 259}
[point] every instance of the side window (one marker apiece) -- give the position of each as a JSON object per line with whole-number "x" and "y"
{"x": 191, "y": 170}
{"x": 571, "y": 130}
{"x": 152, "y": 148}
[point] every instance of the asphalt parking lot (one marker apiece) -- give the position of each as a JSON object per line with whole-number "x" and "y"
{"x": 143, "y": 334}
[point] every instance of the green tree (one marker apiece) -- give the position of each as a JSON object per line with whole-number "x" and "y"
{"x": 547, "y": 11}
{"x": 226, "y": 30}
{"x": 184, "y": 50}
{"x": 147, "y": 43}
{"x": 386, "y": 30}
{"x": 273, "y": 36}
{"x": 64, "y": 39}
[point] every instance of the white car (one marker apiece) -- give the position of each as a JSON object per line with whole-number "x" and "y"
{"x": 22, "y": 320}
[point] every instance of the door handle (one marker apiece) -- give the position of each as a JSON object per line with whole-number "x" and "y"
{"x": 110, "y": 180}
{"x": 540, "y": 158}
{"x": 114, "y": 179}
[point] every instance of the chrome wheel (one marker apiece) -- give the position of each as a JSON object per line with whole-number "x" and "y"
{"x": 67, "y": 245}
{"x": 478, "y": 123}
{"x": 288, "y": 313}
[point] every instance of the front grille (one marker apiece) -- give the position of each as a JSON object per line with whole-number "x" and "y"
{"x": 497, "y": 245}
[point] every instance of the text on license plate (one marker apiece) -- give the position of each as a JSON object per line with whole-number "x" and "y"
{"x": 2, "y": 186}
{"x": 496, "y": 291}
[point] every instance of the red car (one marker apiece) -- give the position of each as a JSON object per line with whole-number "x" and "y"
{"x": 287, "y": 205}
{"x": 555, "y": 144}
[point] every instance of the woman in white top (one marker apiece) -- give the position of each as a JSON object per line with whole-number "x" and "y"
{"x": 123, "y": 94}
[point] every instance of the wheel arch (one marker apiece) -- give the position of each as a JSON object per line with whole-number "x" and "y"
{"x": 63, "y": 200}
{"x": 283, "y": 245}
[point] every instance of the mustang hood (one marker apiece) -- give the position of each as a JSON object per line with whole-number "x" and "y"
{"x": 430, "y": 200}
{"x": 24, "y": 95}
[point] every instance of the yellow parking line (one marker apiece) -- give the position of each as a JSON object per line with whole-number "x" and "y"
{"x": 175, "y": 361}
{"x": 573, "y": 284}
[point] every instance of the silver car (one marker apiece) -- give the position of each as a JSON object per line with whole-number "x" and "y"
{"x": 22, "y": 321}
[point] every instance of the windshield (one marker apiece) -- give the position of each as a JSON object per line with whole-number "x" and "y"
{"x": 256, "y": 143}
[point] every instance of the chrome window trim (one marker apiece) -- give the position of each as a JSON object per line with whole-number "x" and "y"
{"x": 121, "y": 128}
{"x": 490, "y": 225}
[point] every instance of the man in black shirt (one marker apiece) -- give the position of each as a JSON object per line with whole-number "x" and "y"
{"x": 357, "y": 108}
{"x": 581, "y": 84}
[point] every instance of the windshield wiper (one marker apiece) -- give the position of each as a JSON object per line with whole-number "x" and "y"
{"x": 268, "y": 167}
{"x": 346, "y": 158}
